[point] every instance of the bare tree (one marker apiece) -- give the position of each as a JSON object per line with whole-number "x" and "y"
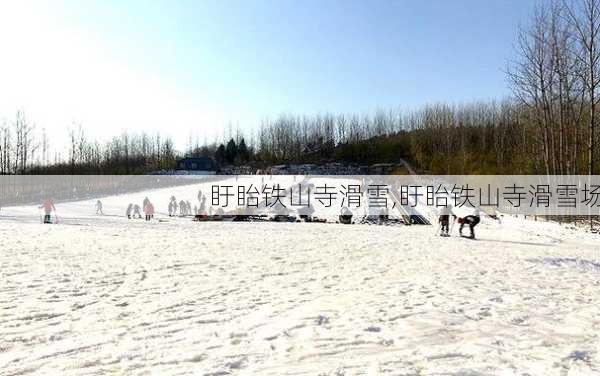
{"x": 584, "y": 16}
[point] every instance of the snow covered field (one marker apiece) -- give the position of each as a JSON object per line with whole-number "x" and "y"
{"x": 104, "y": 295}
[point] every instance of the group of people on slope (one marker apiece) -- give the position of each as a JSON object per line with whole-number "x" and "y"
{"x": 134, "y": 210}
{"x": 185, "y": 207}
{"x": 471, "y": 220}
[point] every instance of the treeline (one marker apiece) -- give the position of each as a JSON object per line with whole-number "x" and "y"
{"x": 23, "y": 150}
{"x": 474, "y": 138}
{"x": 327, "y": 137}
{"x": 124, "y": 154}
{"x": 482, "y": 137}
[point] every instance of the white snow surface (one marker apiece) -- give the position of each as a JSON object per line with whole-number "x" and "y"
{"x": 96, "y": 295}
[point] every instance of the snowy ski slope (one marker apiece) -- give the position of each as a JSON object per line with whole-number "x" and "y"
{"x": 99, "y": 295}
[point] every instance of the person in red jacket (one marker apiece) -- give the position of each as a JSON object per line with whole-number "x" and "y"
{"x": 48, "y": 206}
{"x": 149, "y": 210}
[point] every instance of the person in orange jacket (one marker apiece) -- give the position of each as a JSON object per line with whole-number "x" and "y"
{"x": 48, "y": 206}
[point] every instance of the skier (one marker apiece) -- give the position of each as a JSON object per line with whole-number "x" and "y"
{"x": 149, "y": 210}
{"x": 170, "y": 208}
{"x": 128, "y": 211}
{"x": 99, "y": 207}
{"x": 182, "y": 208}
{"x": 137, "y": 211}
{"x": 48, "y": 206}
{"x": 444, "y": 220}
{"x": 473, "y": 220}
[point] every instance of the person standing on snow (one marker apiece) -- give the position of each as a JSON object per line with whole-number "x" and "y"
{"x": 175, "y": 207}
{"x": 149, "y": 210}
{"x": 128, "y": 211}
{"x": 182, "y": 208}
{"x": 444, "y": 219}
{"x": 99, "y": 207}
{"x": 172, "y": 206}
{"x": 48, "y": 206}
{"x": 137, "y": 211}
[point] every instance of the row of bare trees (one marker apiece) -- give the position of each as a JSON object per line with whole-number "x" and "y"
{"x": 294, "y": 138}
{"x": 19, "y": 147}
{"x": 473, "y": 138}
{"x": 123, "y": 154}
{"x": 479, "y": 137}
{"x": 25, "y": 150}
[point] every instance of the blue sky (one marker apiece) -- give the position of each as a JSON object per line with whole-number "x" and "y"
{"x": 195, "y": 66}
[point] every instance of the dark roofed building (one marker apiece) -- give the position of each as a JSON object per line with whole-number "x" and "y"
{"x": 198, "y": 165}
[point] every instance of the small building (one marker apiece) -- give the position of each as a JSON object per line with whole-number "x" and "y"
{"x": 197, "y": 166}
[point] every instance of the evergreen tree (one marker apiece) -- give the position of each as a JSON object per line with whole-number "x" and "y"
{"x": 231, "y": 151}
{"x": 243, "y": 152}
{"x": 220, "y": 154}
